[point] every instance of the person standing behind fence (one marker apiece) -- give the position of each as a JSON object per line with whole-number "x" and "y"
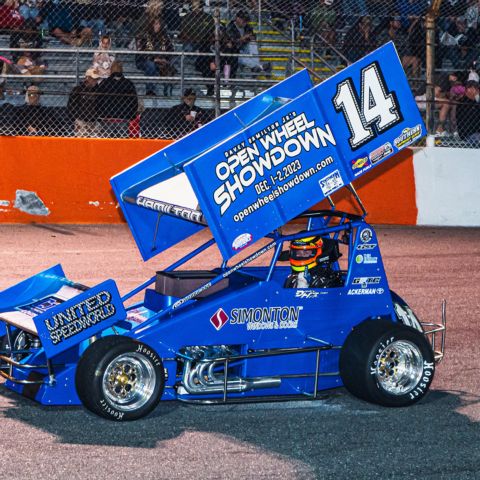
{"x": 117, "y": 102}
{"x": 82, "y": 106}
{"x": 468, "y": 113}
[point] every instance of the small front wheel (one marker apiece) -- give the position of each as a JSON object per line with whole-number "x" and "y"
{"x": 386, "y": 363}
{"x": 119, "y": 378}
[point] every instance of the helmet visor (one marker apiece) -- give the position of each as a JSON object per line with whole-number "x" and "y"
{"x": 302, "y": 254}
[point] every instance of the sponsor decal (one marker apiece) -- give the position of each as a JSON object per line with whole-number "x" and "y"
{"x": 242, "y": 241}
{"x": 366, "y": 246}
{"x": 380, "y": 153}
{"x": 366, "y": 235}
{"x": 365, "y": 291}
{"x": 307, "y": 294}
{"x": 408, "y": 136}
{"x": 266, "y": 318}
{"x": 360, "y": 165}
{"x": 170, "y": 209}
{"x": 331, "y": 182}
{"x": 79, "y": 317}
{"x": 366, "y": 258}
{"x": 364, "y": 281}
{"x": 219, "y": 319}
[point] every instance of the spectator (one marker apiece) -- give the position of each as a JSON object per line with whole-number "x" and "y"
{"x": 353, "y": 9}
{"x": 117, "y": 102}
{"x": 321, "y": 19}
{"x": 87, "y": 16}
{"x": 82, "y": 106}
{"x": 103, "y": 58}
{"x": 186, "y": 116}
{"x": 10, "y": 18}
{"x": 391, "y": 30}
{"x": 457, "y": 44}
{"x": 155, "y": 39}
{"x": 27, "y": 37}
{"x": 241, "y": 39}
{"x": 197, "y": 29}
{"x": 29, "y": 65}
{"x": 359, "y": 39}
{"x": 414, "y": 51}
{"x": 122, "y": 30}
{"x": 409, "y": 8}
{"x": 60, "y": 22}
{"x": 29, "y": 9}
{"x": 472, "y": 14}
{"x": 197, "y": 32}
{"x": 468, "y": 113}
{"x": 32, "y": 115}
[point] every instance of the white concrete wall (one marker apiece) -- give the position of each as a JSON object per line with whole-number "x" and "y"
{"x": 447, "y": 183}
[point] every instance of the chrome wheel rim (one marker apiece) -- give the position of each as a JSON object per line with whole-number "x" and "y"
{"x": 399, "y": 367}
{"x": 129, "y": 381}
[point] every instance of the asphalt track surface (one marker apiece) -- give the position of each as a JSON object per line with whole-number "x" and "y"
{"x": 336, "y": 437}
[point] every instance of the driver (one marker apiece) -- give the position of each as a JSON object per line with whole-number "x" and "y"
{"x": 304, "y": 256}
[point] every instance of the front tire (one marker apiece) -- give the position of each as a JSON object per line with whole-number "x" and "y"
{"x": 386, "y": 363}
{"x": 119, "y": 378}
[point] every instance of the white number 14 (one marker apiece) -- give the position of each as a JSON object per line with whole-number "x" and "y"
{"x": 376, "y": 112}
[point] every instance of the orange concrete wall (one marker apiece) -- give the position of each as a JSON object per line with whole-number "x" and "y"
{"x": 71, "y": 176}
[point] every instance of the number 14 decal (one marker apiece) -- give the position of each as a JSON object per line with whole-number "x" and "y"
{"x": 373, "y": 113}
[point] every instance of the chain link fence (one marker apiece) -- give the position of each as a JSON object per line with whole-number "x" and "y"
{"x": 159, "y": 69}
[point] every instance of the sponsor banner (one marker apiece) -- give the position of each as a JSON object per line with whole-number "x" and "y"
{"x": 66, "y": 324}
{"x": 288, "y": 161}
{"x": 258, "y": 318}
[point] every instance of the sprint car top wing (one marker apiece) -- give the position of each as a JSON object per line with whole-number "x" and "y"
{"x": 260, "y": 165}
{"x": 158, "y": 223}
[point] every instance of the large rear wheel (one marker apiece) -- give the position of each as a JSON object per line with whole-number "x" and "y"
{"x": 386, "y": 363}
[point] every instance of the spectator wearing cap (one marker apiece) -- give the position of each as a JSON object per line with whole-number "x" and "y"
{"x": 186, "y": 116}
{"x": 468, "y": 113}
{"x": 82, "y": 105}
{"x": 117, "y": 102}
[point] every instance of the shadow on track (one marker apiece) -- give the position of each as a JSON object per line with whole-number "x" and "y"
{"x": 332, "y": 436}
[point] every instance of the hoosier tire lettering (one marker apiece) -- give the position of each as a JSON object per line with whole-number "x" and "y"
{"x": 387, "y": 363}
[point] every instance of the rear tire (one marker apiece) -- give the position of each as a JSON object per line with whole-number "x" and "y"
{"x": 386, "y": 363}
{"x": 119, "y": 378}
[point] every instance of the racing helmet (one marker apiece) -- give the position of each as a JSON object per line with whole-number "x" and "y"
{"x": 304, "y": 253}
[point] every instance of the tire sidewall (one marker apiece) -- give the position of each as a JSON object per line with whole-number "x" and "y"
{"x": 104, "y": 405}
{"x": 411, "y": 335}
